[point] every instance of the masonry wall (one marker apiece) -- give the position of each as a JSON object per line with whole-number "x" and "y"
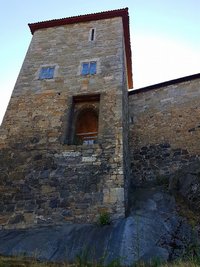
{"x": 43, "y": 179}
{"x": 164, "y": 130}
{"x": 126, "y": 149}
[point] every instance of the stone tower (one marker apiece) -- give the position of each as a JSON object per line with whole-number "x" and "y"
{"x": 63, "y": 140}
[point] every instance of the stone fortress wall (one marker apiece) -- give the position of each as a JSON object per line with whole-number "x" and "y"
{"x": 46, "y": 177}
{"x": 164, "y": 130}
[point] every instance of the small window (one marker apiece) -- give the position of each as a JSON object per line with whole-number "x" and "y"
{"x": 92, "y": 34}
{"x": 46, "y": 73}
{"x": 85, "y": 68}
{"x": 89, "y": 68}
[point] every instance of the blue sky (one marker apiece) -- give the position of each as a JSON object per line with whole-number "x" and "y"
{"x": 165, "y": 36}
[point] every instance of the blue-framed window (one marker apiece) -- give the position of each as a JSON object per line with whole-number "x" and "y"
{"x": 46, "y": 73}
{"x": 89, "y": 68}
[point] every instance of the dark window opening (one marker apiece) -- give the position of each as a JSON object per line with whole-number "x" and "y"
{"x": 46, "y": 73}
{"x": 92, "y": 35}
{"x": 86, "y": 129}
{"x": 89, "y": 68}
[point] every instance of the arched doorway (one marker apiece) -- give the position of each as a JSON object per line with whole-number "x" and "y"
{"x": 86, "y": 129}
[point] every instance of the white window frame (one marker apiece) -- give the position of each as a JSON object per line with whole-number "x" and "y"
{"x": 88, "y": 61}
{"x": 90, "y": 35}
{"x": 55, "y": 66}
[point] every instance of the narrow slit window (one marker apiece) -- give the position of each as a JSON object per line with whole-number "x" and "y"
{"x": 92, "y": 35}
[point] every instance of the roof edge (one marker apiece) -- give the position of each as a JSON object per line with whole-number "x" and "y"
{"x": 164, "y": 84}
{"x": 95, "y": 16}
{"x": 76, "y": 19}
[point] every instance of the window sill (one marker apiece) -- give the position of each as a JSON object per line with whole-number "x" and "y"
{"x": 80, "y": 147}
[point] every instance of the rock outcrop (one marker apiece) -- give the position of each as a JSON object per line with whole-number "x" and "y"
{"x": 152, "y": 230}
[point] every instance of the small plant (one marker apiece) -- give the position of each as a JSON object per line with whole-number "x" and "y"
{"x": 104, "y": 218}
{"x": 114, "y": 263}
{"x": 82, "y": 260}
{"x": 192, "y": 251}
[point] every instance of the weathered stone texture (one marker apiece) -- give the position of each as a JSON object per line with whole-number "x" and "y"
{"x": 46, "y": 176}
{"x": 43, "y": 179}
{"x": 186, "y": 182}
{"x": 164, "y": 129}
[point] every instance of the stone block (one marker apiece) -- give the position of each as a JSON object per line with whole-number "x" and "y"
{"x": 16, "y": 218}
{"x": 88, "y": 159}
{"x": 4, "y": 219}
{"x": 113, "y": 195}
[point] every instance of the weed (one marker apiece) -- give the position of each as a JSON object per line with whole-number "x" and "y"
{"x": 104, "y": 218}
{"x": 192, "y": 251}
{"x": 156, "y": 262}
{"x": 82, "y": 261}
{"x": 114, "y": 263}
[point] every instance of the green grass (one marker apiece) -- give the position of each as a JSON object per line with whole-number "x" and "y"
{"x": 25, "y": 262}
{"x": 190, "y": 262}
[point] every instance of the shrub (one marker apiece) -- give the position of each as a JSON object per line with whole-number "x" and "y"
{"x": 104, "y": 218}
